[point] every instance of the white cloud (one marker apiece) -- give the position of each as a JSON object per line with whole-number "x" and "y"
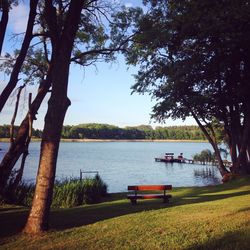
{"x": 128, "y": 5}
{"x": 18, "y": 18}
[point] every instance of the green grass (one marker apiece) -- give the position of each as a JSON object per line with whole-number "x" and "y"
{"x": 196, "y": 218}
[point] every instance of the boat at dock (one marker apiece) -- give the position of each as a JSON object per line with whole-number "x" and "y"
{"x": 169, "y": 158}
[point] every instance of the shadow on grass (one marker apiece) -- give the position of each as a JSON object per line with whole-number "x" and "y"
{"x": 192, "y": 197}
{"x": 13, "y": 219}
{"x": 63, "y": 219}
{"x": 3, "y": 209}
{"x": 238, "y": 239}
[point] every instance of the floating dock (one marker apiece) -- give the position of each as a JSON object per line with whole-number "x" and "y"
{"x": 169, "y": 158}
{"x": 162, "y": 159}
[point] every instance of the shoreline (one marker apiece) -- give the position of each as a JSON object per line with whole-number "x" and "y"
{"x": 113, "y": 140}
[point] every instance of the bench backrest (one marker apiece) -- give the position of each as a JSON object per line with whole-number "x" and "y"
{"x": 150, "y": 187}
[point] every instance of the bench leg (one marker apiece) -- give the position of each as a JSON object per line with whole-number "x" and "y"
{"x": 133, "y": 201}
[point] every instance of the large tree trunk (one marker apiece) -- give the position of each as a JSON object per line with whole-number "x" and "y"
{"x": 240, "y": 134}
{"x": 38, "y": 219}
{"x": 3, "y": 22}
{"x": 213, "y": 142}
{"x": 39, "y": 215}
{"x": 241, "y": 165}
{"x": 20, "y": 59}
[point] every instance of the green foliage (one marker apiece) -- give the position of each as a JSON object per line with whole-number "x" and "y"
{"x": 204, "y": 156}
{"x": 74, "y": 192}
{"x": 67, "y": 193}
{"x": 105, "y": 131}
{"x": 5, "y": 131}
{"x": 193, "y": 58}
{"x": 24, "y": 194}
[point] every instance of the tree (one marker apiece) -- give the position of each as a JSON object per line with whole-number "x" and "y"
{"x": 67, "y": 24}
{"x": 194, "y": 59}
{"x": 62, "y": 38}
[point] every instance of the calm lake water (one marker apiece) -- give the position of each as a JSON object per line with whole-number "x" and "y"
{"x": 126, "y": 163}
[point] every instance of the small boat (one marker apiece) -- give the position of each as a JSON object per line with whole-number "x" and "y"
{"x": 169, "y": 158}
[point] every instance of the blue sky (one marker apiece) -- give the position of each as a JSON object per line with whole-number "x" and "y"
{"x": 98, "y": 95}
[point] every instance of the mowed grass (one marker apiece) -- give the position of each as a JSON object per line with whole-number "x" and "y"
{"x": 197, "y": 218}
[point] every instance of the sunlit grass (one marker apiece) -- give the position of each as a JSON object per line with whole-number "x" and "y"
{"x": 197, "y": 218}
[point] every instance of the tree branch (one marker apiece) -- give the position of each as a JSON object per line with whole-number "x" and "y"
{"x": 21, "y": 57}
{"x": 14, "y": 114}
{"x": 104, "y": 51}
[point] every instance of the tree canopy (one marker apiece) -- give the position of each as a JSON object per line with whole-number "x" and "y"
{"x": 194, "y": 60}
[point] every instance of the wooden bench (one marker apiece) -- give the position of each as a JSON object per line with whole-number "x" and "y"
{"x": 133, "y": 197}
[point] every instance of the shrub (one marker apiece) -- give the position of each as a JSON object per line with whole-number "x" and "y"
{"x": 67, "y": 193}
{"x": 74, "y": 192}
{"x": 22, "y": 195}
{"x": 204, "y": 156}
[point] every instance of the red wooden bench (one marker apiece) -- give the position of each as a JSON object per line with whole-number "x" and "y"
{"x": 133, "y": 197}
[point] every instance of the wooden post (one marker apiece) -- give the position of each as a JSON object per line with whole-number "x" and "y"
{"x": 30, "y": 118}
{"x": 80, "y": 175}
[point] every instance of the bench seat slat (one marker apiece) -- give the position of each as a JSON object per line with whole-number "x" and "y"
{"x": 148, "y": 196}
{"x": 150, "y": 187}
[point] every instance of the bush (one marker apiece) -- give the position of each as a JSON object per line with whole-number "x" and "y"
{"x": 204, "y": 156}
{"x": 22, "y": 195}
{"x": 75, "y": 192}
{"x": 67, "y": 193}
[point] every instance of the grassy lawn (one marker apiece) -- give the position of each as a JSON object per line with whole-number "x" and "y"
{"x": 196, "y": 218}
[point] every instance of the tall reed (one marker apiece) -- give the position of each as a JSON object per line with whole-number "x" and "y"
{"x": 67, "y": 193}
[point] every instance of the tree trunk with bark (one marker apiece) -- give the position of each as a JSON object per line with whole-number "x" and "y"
{"x": 241, "y": 164}
{"x": 38, "y": 220}
{"x": 213, "y": 142}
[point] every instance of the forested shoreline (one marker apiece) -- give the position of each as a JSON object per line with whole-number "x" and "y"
{"x": 106, "y": 131}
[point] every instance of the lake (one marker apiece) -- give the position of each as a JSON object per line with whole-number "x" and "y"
{"x": 126, "y": 163}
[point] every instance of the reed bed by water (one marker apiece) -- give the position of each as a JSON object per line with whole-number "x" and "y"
{"x": 75, "y": 192}
{"x": 67, "y": 193}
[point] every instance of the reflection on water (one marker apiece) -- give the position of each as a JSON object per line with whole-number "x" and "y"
{"x": 207, "y": 174}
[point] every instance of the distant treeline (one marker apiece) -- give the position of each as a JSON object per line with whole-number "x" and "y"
{"x": 5, "y": 132}
{"x": 105, "y": 131}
